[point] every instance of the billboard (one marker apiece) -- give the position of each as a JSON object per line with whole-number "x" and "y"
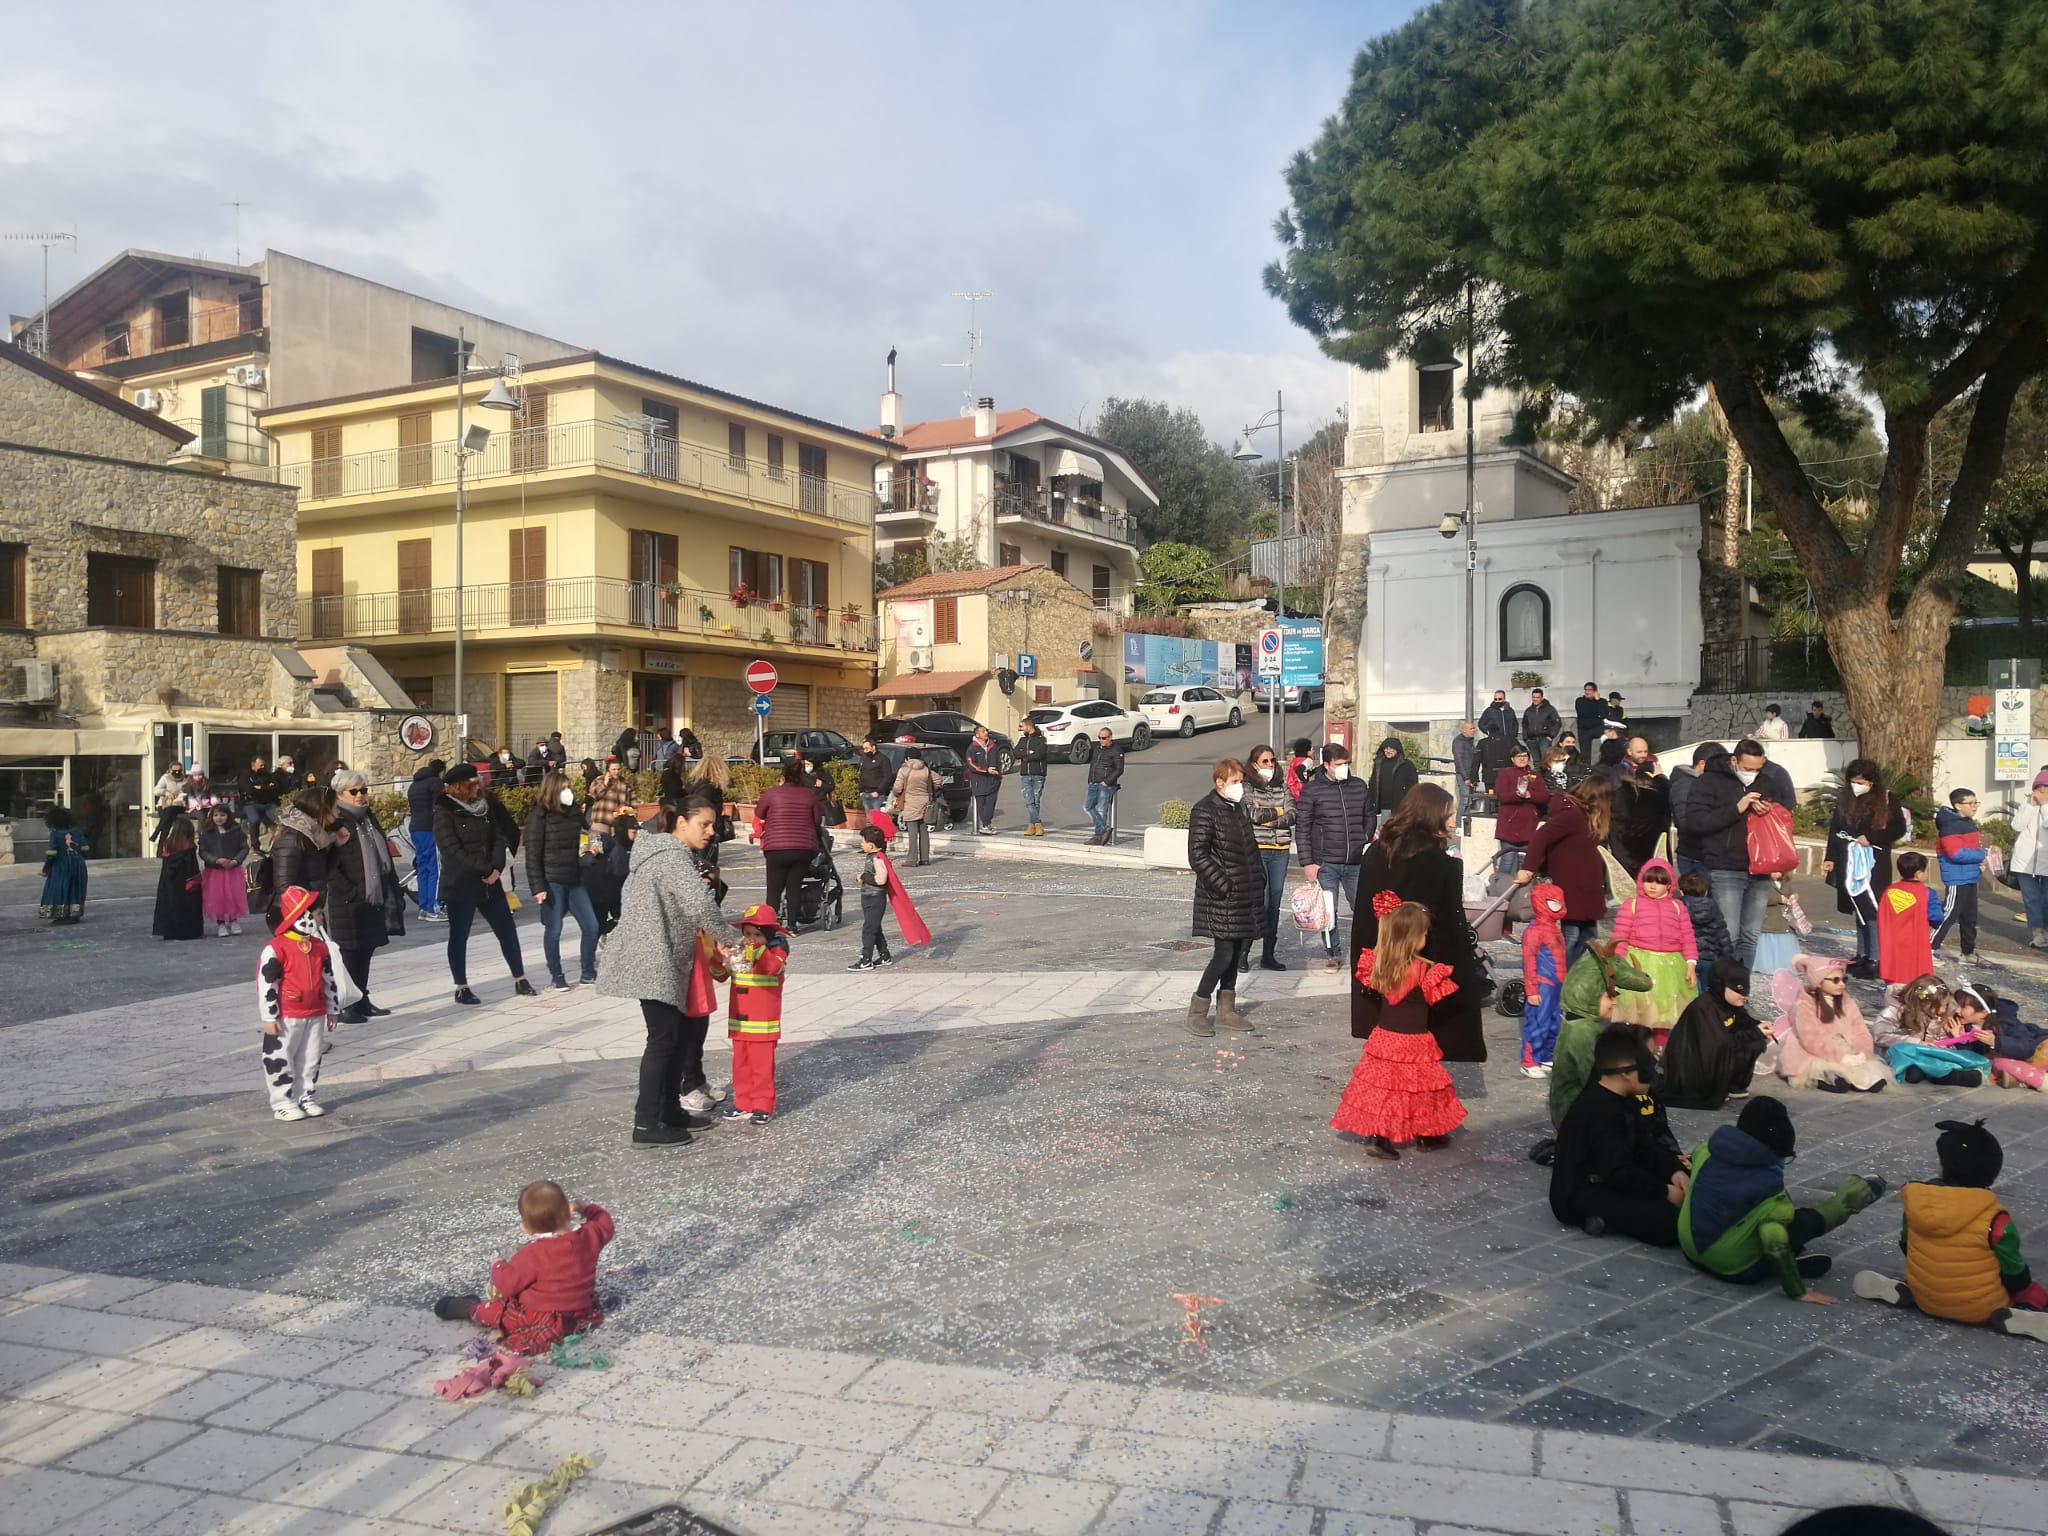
{"x": 1164, "y": 661}
{"x": 1302, "y": 656}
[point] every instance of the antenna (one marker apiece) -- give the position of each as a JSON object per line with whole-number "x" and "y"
{"x": 238, "y": 230}
{"x": 38, "y": 341}
{"x": 973, "y": 345}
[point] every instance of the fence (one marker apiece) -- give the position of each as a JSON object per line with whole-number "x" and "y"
{"x": 1763, "y": 665}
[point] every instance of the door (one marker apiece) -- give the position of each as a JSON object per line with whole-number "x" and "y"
{"x": 530, "y": 431}
{"x": 326, "y": 461}
{"x": 532, "y": 708}
{"x": 327, "y": 593}
{"x": 810, "y": 471}
{"x": 415, "y": 585}
{"x": 416, "y": 450}
{"x": 653, "y": 709}
{"x": 652, "y": 562}
{"x": 526, "y": 599}
{"x": 792, "y": 705}
{"x": 659, "y": 456}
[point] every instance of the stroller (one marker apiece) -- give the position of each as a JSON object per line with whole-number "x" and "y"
{"x": 1490, "y": 908}
{"x": 818, "y": 899}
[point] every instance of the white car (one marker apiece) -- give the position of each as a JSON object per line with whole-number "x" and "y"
{"x": 1184, "y": 711}
{"x": 1072, "y": 728}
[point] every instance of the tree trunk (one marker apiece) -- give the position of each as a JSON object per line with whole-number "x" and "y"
{"x": 1892, "y": 673}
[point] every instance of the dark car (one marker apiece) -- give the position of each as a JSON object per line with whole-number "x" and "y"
{"x": 949, "y": 765}
{"x": 817, "y": 746}
{"x": 943, "y": 728}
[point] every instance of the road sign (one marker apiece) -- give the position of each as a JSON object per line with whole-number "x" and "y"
{"x": 1087, "y": 650}
{"x": 2012, "y": 728}
{"x": 761, "y": 677}
{"x": 1271, "y": 651}
{"x": 1027, "y": 664}
{"x": 762, "y": 706}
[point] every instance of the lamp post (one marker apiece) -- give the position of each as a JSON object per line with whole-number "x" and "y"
{"x": 1244, "y": 453}
{"x": 497, "y": 399}
{"x": 1467, "y": 520}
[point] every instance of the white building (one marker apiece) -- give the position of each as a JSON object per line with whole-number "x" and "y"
{"x": 1610, "y": 597}
{"x": 1021, "y": 489}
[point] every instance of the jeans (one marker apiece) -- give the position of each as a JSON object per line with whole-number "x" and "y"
{"x": 1743, "y": 899}
{"x": 1962, "y": 913}
{"x": 1276, "y": 861}
{"x": 1576, "y": 937}
{"x": 426, "y": 870}
{"x": 462, "y": 913}
{"x": 1033, "y": 786}
{"x": 1224, "y": 963}
{"x": 671, "y": 1063}
{"x": 2034, "y": 893}
{"x": 872, "y": 802}
{"x": 1511, "y": 856}
{"x": 1866, "y": 938}
{"x": 1334, "y": 878}
{"x": 566, "y": 900}
{"x": 786, "y": 868}
{"x": 1097, "y": 800}
{"x": 874, "y": 905}
{"x": 255, "y": 816}
{"x": 1465, "y": 794}
{"x": 1691, "y": 866}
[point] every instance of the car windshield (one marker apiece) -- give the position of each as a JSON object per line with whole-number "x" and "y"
{"x": 1041, "y": 716}
{"x": 1159, "y": 696}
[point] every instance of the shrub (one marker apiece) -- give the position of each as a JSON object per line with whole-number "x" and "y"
{"x": 745, "y": 782}
{"x": 846, "y": 783}
{"x": 1413, "y": 749}
{"x": 1174, "y": 814}
{"x": 1811, "y": 818}
{"x": 518, "y": 800}
{"x": 1902, "y": 786}
{"x": 1998, "y": 833}
{"x": 394, "y": 811}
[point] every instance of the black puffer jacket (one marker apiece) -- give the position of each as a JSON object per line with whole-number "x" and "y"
{"x": 1333, "y": 820}
{"x": 1230, "y": 880}
{"x": 295, "y": 859}
{"x": 553, "y": 843}
{"x": 1392, "y": 777}
{"x": 877, "y": 774}
{"x": 470, "y": 845}
{"x": 1033, "y": 753}
{"x": 1709, "y": 826}
{"x": 420, "y": 796}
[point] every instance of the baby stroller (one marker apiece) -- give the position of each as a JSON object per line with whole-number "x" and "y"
{"x": 818, "y": 899}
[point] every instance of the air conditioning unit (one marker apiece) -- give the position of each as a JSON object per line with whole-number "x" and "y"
{"x": 150, "y": 399}
{"x": 920, "y": 658}
{"x": 38, "y": 680}
{"x": 248, "y": 377}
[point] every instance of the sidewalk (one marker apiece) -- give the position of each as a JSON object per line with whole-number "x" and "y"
{"x": 137, "y": 1409}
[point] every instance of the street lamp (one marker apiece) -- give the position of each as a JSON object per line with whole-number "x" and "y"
{"x": 1245, "y": 453}
{"x": 499, "y": 398}
{"x": 1446, "y": 361}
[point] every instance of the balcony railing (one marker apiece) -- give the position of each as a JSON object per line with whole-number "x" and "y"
{"x": 579, "y": 600}
{"x": 584, "y": 445}
{"x": 1058, "y": 510}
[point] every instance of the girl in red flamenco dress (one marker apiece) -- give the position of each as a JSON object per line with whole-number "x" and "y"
{"x": 1399, "y": 1090}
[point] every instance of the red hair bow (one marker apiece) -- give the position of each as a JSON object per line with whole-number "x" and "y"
{"x": 1384, "y": 903}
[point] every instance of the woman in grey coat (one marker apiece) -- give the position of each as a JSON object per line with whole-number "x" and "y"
{"x": 664, "y": 905}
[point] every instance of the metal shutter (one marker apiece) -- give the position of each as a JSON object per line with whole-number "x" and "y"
{"x": 531, "y": 709}
{"x": 792, "y": 703}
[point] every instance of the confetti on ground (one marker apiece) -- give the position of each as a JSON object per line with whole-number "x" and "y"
{"x": 2001, "y": 1401}
{"x": 592, "y": 1360}
{"x": 525, "y": 1510}
{"x": 1284, "y": 1201}
{"x": 1194, "y": 1340}
{"x": 910, "y": 1233}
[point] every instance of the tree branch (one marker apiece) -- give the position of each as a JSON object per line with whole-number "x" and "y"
{"x": 1813, "y": 536}
{"x": 1984, "y": 454}
{"x": 1975, "y": 360}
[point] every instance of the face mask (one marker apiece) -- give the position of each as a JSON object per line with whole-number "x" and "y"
{"x": 1340, "y": 771}
{"x": 1233, "y": 792}
{"x": 1265, "y": 774}
{"x": 568, "y": 797}
{"x": 1859, "y": 790}
{"x": 1745, "y": 776}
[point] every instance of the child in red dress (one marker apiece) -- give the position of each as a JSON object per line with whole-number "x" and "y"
{"x": 1399, "y": 1090}
{"x": 548, "y": 1289}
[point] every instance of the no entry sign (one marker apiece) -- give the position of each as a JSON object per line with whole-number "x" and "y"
{"x": 761, "y": 676}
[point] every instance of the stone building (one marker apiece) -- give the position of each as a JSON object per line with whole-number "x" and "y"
{"x": 147, "y": 616}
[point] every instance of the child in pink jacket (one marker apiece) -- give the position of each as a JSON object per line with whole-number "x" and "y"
{"x": 1653, "y": 932}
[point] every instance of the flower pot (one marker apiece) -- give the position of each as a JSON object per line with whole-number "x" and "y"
{"x": 1166, "y": 848}
{"x": 645, "y": 809}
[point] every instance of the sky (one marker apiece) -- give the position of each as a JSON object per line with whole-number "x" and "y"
{"x": 764, "y": 197}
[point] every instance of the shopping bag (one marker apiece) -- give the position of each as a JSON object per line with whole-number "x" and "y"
{"x": 1313, "y": 910}
{"x": 1771, "y": 849}
{"x": 346, "y": 992}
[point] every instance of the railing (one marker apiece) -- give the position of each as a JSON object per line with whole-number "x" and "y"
{"x": 584, "y": 445}
{"x": 1059, "y": 510}
{"x": 1763, "y": 665}
{"x": 566, "y": 600}
{"x": 145, "y": 337}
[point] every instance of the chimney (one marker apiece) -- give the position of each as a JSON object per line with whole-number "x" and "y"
{"x": 985, "y": 416}
{"x": 892, "y": 403}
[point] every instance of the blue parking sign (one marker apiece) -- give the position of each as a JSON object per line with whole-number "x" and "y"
{"x": 1027, "y": 664}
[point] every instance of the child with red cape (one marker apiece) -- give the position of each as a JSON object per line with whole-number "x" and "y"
{"x": 880, "y": 889}
{"x": 1399, "y": 1090}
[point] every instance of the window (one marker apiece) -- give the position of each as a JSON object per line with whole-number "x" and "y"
{"x": 114, "y": 340}
{"x": 1435, "y": 401}
{"x": 241, "y": 600}
{"x": 810, "y": 469}
{"x": 416, "y": 449}
{"x": 1041, "y": 693}
{"x": 419, "y": 689}
{"x": 326, "y": 462}
{"x": 1098, "y": 585}
{"x": 774, "y": 455}
{"x": 415, "y": 586}
{"x": 120, "y": 591}
{"x": 651, "y": 564}
{"x": 946, "y": 621}
{"x": 528, "y": 597}
{"x": 760, "y": 573}
{"x": 213, "y": 422}
{"x": 1009, "y": 554}
{"x": 173, "y": 321}
{"x": 659, "y": 450}
{"x": 530, "y": 430}
{"x": 771, "y": 578}
{"x": 1022, "y": 472}
{"x": 1059, "y": 562}
{"x": 1524, "y": 624}
{"x": 13, "y": 586}
{"x": 433, "y": 355}
{"x": 249, "y": 309}
{"x": 810, "y": 584}
{"x": 735, "y": 445}
{"x": 326, "y": 594}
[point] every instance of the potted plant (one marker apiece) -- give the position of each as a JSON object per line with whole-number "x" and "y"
{"x": 1527, "y": 680}
{"x": 704, "y": 613}
{"x": 671, "y": 590}
{"x": 1166, "y": 844}
{"x": 775, "y": 607}
{"x": 820, "y": 614}
{"x": 729, "y": 629}
{"x": 741, "y": 595}
{"x": 849, "y": 614}
{"x": 767, "y": 636}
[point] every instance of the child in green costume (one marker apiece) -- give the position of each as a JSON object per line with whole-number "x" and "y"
{"x": 1590, "y": 988}
{"x": 1737, "y": 1221}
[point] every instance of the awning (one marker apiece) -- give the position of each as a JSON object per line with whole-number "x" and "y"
{"x": 926, "y": 685}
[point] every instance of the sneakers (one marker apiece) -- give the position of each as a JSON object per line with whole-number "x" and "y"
{"x": 659, "y": 1135}
{"x": 287, "y": 1112}
{"x": 433, "y": 917}
{"x": 1872, "y": 1286}
{"x": 2031, "y": 1325}
{"x": 524, "y": 988}
{"x": 468, "y": 998}
{"x": 220, "y": 930}
{"x": 312, "y": 1111}
{"x": 885, "y": 960}
{"x": 587, "y": 979}
{"x": 1538, "y": 1072}
{"x": 733, "y": 1113}
{"x": 234, "y": 930}
{"x": 702, "y": 1100}
{"x": 762, "y": 1117}
{"x": 559, "y": 983}
{"x": 1813, "y": 1265}
{"x": 862, "y": 965}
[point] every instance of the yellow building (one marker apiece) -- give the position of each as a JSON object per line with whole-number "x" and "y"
{"x": 631, "y": 541}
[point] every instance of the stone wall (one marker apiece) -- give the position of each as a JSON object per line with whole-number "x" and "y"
{"x": 844, "y": 710}
{"x": 722, "y": 715}
{"x": 1052, "y": 627}
{"x": 41, "y": 413}
{"x": 1341, "y": 633}
{"x": 377, "y": 751}
{"x": 1728, "y": 716}
{"x": 109, "y": 671}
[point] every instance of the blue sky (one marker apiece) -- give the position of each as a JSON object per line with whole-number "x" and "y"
{"x": 765, "y": 197}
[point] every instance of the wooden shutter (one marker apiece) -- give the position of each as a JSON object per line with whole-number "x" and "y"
{"x": 530, "y": 430}
{"x": 774, "y": 455}
{"x": 527, "y": 600}
{"x": 946, "y": 621}
{"x": 810, "y": 472}
{"x": 416, "y": 450}
{"x": 13, "y": 586}
{"x": 213, "y": 422}
{"x": 327, "y": 461}
{"x": 239, "y": 594}
{"x": 415, "y": 585}
{"x": 735, "y": 445}
{"x": 326, "y": 623}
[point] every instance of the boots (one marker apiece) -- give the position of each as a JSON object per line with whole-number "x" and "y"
{"x": 1266, "y": 960}
{"x": 1227, "y": 1016}
{"x": 1198, "y": 1017}
{"x": 1036, "y": 829}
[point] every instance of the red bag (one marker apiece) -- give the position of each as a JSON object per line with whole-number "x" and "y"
{"x": 885, "y": 822}
{"x": 1771, "y": 849}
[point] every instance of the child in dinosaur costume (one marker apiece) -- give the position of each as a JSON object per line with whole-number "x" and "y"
{"x": 1737, "y": 1221}
{"x": 1590, "y": 988}
{"x": 1963, "y": 1259}
{"x": 1543, "y": 973}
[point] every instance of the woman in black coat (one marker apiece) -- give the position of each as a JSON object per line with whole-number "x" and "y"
{"x": 1870, "y": 818}
{"x": 1412, "y": 859}
{"x": 364, "y": 906}
{"x": 554, "y": 873}
{"x": 305, "y": 848}
{"x": 1230, "y": 894}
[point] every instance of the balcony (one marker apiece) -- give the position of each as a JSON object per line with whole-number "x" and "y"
{"x": 570, "y": 445}
{"x": 581, "y": 603}
{"x": 149, "y": 336}
{"x": 1060, "y": 509}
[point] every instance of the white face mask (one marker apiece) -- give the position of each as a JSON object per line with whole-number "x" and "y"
{"x": 1265, "y": 773}
{"x": 1340, "y": 771}
{"x": 1745, "y": 776}
{"x": 568, "y": 797}
{"x": 1233, "y": 791}
{"x": 1859, "y": 790}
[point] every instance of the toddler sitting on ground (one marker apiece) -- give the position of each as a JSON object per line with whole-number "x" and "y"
{"x": 548, "y": 1289}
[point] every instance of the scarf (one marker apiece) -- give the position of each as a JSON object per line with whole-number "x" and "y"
{"x": 368, "y": 842}
{"x": 305, "y": 826}
{"x": 477, "y": 807}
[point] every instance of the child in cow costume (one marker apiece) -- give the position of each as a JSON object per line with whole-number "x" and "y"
{"x": 298, "y": 1003}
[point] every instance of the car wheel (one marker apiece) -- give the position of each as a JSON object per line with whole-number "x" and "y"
{"x": 1141, "y": 738}
{"x": 1079, "y": 752}
{"x": 1187, "y": 725}
{"x": 1236, "y": 717}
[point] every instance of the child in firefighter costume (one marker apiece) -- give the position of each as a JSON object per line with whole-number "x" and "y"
{"x": 753, "y": 1017}
{"x": 298, "y": 1003}
{"x": 1543, "y": 969}
{"x": 1963, "y": 1259}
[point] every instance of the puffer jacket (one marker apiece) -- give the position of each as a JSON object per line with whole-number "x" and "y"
{"x": 420, "y": 796}
{"x": 301, "y": 854}
{"x": 1959, "y": 847}
{"x": 662, "y": 908}
{"x": 554, "y": 844}
{"x": 1272, "y": 811}
{"x": 1034, "y": 752}
{"x": 1659, "y": 926}
{"x": 1391, "y": 777}
{"x": 1710, "y": 828}
{"x": 792, "y": 819}
{"x": 471, "y": 845}
{"x": 1333, "y": 820}
{"x": 1230, "y": 882}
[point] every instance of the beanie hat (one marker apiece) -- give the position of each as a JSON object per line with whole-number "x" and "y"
{"x": 1767, "y": 1120}
{"x": 1970, "y": 1155}
{"x": 459, "y": 773}
{"x": 2041, "y": 779}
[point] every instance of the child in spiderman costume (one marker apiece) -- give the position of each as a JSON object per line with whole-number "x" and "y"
{"x": 297, "y": 1001}
{"x": 1543, "y": 968}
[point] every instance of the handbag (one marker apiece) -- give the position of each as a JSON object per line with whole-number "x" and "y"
{"x": 1771, "y": 849}
{"x": 1312, "y": 909}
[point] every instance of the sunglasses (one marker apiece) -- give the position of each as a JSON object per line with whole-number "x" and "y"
{"x": 363, "y": 792}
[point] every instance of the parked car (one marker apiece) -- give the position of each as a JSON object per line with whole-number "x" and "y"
{"x": 817, "y": 746}
{"x": 1071, "y": 728}
{"x": 949, "y": 765}
{"x": 943, "y": 728}
{"x": 1292, "y": 696}
{"x": 1181, "y": 711}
